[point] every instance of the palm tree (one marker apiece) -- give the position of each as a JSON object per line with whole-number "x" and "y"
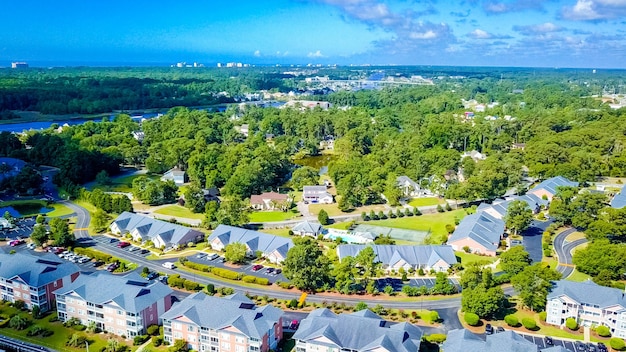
{"x": 112, "y": 345}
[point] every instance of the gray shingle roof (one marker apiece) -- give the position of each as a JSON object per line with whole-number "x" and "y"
{"x": 501, "y": 207}
{"x": 308, "y": 227}
{"x": 556, "y": 349}
{"x": 482, "y": 228}
{"x": 588, "y": 292}
{"x": 619, "y": 201}
{"x": 131, "y": 292}
{"x": 234, "y": 310}
{"x": 150, "y": 229}
{"x": 358, "y": 331}
{"x": 413, "y": 255}
{"x": 257, "y": 241}
{"x": 464, "y": 341}
{"x": 35, "y": 270}
{"x": 553, "y": 183}
{"x": 407, "y": 181}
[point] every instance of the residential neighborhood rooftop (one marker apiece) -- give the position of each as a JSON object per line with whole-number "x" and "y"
{"x": 254, "y": 240}
{"x": 619, "y": 201}
{"x": 462, "y": 340}
{"x": 553, "y": 183}
{"x": 588, "y": 292}
{"x": 394, "y": 255}
{"x": 35, "y": 270}
{"x": 157, "y": 231}
{"x": 482, "y": 227}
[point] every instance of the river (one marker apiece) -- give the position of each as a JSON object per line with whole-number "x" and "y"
{"x": 40, "y": 125}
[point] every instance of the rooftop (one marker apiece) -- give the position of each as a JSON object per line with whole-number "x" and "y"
{"x": 35, "y": 270}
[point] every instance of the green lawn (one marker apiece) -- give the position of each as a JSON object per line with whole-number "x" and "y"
{"x": 269, "y": 216}
{"x": 177, "y": 210}
{"x": 575, "y": 236}
{"x": 467, "y": 258}
{"x": 32, "y": 207}
{"x": 121, "y": 184}
{"x": 424, "y": 202}
{"x": 578, "y": 276}
{"x": 278, "y": 232}
{"x": 435, "y": 223}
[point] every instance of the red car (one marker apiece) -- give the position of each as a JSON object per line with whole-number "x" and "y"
{"x": 257, "y": 267}
{"x": 123, "y": 244}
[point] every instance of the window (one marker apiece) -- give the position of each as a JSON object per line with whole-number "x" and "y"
{"x": 24, "y": 287}
{"x": 120, "y": 322}
{"x": 119, "y": 312}
{"x": 214, "y": 339}
{"x": 177, "y": 326}
{"x": 239, "y": 349}
{"x": 70, "y": 309}
{"x": 17, "y": 294}
{"x": 178, "y": 335}
{"x": 55, "y": 284}
{"x": 81, "y": 312}
{"x": 190, "y": 328}
{"x": 240, "y": 339}
{"x": 224, "y": 335}
{"x": 226, "y": 345}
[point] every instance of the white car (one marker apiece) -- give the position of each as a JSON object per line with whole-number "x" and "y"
{"x": 31, "y": 246}
{"x": 169, "y": 265}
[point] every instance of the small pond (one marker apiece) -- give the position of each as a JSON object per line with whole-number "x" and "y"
{"x": 26, "y": 209}
{"x": 318, "y": 162}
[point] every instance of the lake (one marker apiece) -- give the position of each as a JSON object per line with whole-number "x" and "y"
{"x": 318, "y": 162}
{"x": 26, "y": 209}
{"x": 39, "y": 125}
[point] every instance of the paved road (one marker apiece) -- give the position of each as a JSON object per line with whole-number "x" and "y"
{"x": 83, "y": 219}
{"x": 563, "y": 250}
{"x": 21, "y": 346}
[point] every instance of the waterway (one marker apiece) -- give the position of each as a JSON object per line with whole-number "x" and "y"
{"x": 318, "y": 162}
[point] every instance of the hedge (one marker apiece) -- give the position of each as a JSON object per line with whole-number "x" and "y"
{"x": 139, "y": 340}
{"x": 197, "y": 266}
{"x": 472, "y": 319}
{"x": 617, "y": 344}
{"x": 178, "y": 282}
{"x": 227, "y": 274}
{"x": 529, "y": 323}
{"x": 511, "y": 320}
{"x": 255, "y": 280}
{"x": 435, "y": 338}
{"x": 285, "y": 285}
{"x": 92, "y": 253}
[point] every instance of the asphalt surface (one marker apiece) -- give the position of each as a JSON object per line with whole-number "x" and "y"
{"x": 531, "y": 239}
{"x": 82, "y": 221}
{"x": 563, "y": 250}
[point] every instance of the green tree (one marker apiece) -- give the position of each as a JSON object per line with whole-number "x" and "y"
{"x": 39, "y": 235}
{"x": 304, "y": 176}
{"x": 518, "y": 216}
{"x": 60, "y": 231}
{"x": 306, "y": 266}
{"x": 515, "y": 260}
{"x": 100, "y": 220}
{"x": 533, "y": 284}
{"x": 345, "y": 273}
{"x": 360, "y": 306}
{"x": 179, "y": 346}
{"x": 40, "y": 219}
{"x": 102, "y": 178}
{"x": 366, "y": 260}
{"x": 235, "y": 252}
{"x": 194, "y": 198}
{"x": 18, "y": 322}
{"x": 322, "y": 217}
{"x": 233, "y": 212}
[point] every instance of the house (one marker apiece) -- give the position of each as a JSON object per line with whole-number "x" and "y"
{"x": 548, "y": 188}
{"x": 520, "y": 146}
{"x": 122, "y": 305}
{"x": 499, "y": 208}
{"x": 462, "y": 340}
{"x": 619, "y": 200}
{"x": 307, "y": 228}
{"x": 302, "y": 105}
{"x": 273, "y": 248}
{"x": 163, "y": 234}
{"x": 231, "y": 323}
{"x": 177, "y": 175}
{"x": 316, "y": 194}
{"x": 360, "y": 331}
{"x": 474, "y": 154}
{"x": 408, "y": 187}
{"x": 270, "y": 201}
{"x": 392, "y": 257}
{"x": 5, "y": 224}
{"x": 480, "y": 232}
{"x": 33, "y": 279}
{"x": 589, "y": 303}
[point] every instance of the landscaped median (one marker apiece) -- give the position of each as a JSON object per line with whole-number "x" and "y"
{"x": 224, "y": 273}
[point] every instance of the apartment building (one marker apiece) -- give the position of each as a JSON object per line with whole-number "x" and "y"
{"x": 122, "y": 305}
{"x": 229, "y": 324}
{"x": 34, "y": 278}
{"x": 588, "y": 303}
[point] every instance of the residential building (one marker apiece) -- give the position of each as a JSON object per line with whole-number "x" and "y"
{"x": 619, "y": 200}
{"x": 480, "y": 232}
{"x": 361, "y": 331}
{"x": 33, "y": 279}
{"x": 393, "y": 257}
{"x": 589, "y": 303}
{"x": 408, "y": 187}
{"x": 474, "y": 154}
{"x": 270, "y": 201}
{"x": 233, "y": 323}
{"x": 307, "y": 228}
{"x": 548, "y": 188}
{"x": 177, "y": 175}
{"x": 316, "y": 194}
{"x": 499, "y": 208}
{"x": 273, "y": 248}
{"x": 122, "y": 305}
{"x": 307, "y": 104}
{"x": 163, "y": 234}
{"x": 19, "y": 64}
{"x": 462, "y": 340}
{"x": 5, "y": 224}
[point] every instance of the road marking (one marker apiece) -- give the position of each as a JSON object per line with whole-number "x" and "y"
{"x": 81, "y": 229}
{"x": 568, "y": 265}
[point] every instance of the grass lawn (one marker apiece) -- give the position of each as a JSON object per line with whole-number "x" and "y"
{"x": 544, "y": 329}
{"x": 90, "y": 207}
{"x": 424, "y": 202}
{"x": 179, "y": 211}
{"x": 269, "y": 216}
{"x": 466, "y": 258}
{"x": 31, "y": 207}
{"x": 575, "y": 236}
{"x": 59, "y": 210}
{"x": 435, "y": 223}
{"x": 333, "y": 209}
{"x": 578, "y": 276}
{"x": 122, "y": 183}
{"x": 340, "y": 225}
{"x": 551, "y": 261}
{"x": 577, "y": 248}
{"x": 277, "y": 232}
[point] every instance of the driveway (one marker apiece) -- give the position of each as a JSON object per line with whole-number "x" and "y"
{"x": 532, "y": 239}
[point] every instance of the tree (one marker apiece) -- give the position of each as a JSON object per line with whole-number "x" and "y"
{"x": 306, "y": 266}
{"x": 366, "y": 260}
{"x": 479, "y": 295}
{"x": 233, "y": 212}
{"x": 40, "y": 219}
{"x": 360, "y": 306}
{"x": 322, "y": 217}
{"x": 235, "y": 252}
{"x": 179, "y": 346}
{"x": 533, "y": 284}
{"x": 514, "y": 260}
{"x": 18, "y": 322}
{"x": 60, "y": 231}
{"x": 393, "y": 193}
{"x": 194, "y": 198}
{"x": 304, "y": 176}
{"x": 112, "y": 345}
{"x": 39, "y": 235}
{"x": 103, "y": 178}
{"x": 345, "y": 273}
{"x": 100, "y": 220}
{"x": 518, "y": 216}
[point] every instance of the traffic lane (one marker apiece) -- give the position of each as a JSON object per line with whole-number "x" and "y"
{"x": 531, "y": 239}
{"x": 568, "y": 247}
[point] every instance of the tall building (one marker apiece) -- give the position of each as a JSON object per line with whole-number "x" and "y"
{"x": 19, "y": 64}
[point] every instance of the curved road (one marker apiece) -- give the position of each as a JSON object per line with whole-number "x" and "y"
{"x": 563, "y": 250}
{"x": 82, "y": 221}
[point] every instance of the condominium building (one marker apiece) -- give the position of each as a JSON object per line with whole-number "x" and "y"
{"x": 229, "y": 324}
{"x": 34, "y": 278}
{"x": 123, "y": 305}
{"x": 589, "y": 303}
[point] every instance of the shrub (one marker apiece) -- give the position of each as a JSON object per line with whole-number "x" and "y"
{"x": 439, "y": 208}
{"x": 197, "y": 266}
{"x": 471, "y": 318}
{"x": 227, "y": 274}
{"x": 293, "y": 303}
{"x": 541, "y": 216}
{"x": 285, "y": 285}
{"x": 434, "y": 316}
{"x": 547, "y": 253}
{"x": 571, "y": 323}
{"x": 511, "y": 320}
{"x": 79, "y": 327}
{"x": 617, "y": 344}
{"x": 435, "y": 338}
{"x": 603, "y": 331}
{"x": 18, "y": 323}
{"x": 153, "y": 330}
{"x": 448, "y": 207}
{"x": 157, "y": 341}
{"x": 466, "y": 249}
{"x": 139, "y": 340}
{"x": 420, "y": 272}
{"x": 262, "y": 281}
{"x": 191, "y": 285}
{"x": 543, "y": 315}
{"x": 529, "y": 323}
{"x": 210, "y": 288}
{"x": 53, "y": 318}
{"x": 249, "y": 279}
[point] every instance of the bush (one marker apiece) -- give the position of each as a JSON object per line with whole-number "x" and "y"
{"x": 448, "y": 207}
{"x": 529, "y": 323}
{"x": 435, "y": 338}
{"x": 471, "y": 318}
{"x": 210, "y": 288}
{"x": 617, "y": 344}
{"x": 439, "y": 208}
{"x": 543, "y": 316}
{"x": 434, "y": 316}
{"x": 196, "y": 266}
{"x": 511, "y": 320}
{"x": 157, "y": 341}
{"x": 603, "y": 331}
{"x": 262, "y": 281}
{"x": 227, "y": 274}
{"x": 153, "y": 330}
{"x": 571, "y": 323}
{"x": 191, "y": 285}
{"x": 139, "y": 340}
{"x": 249, "y": 279}
{"x": 285, "y": 285}
{"x": 79, "y": 327}
{"x": 547, "y": 253}
{"x": 53, "y": 318}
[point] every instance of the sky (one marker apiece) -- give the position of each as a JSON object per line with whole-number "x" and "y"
{"x": 520, "y": 33}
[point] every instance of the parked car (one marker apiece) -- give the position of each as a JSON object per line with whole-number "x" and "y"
{"x": 83, "y": 260}
{"x": 294, "y": 324}
{"x": 211, "y": 256}
{"x": 548, "y": 341}
{"x": 591, "y": 347}
{"x": 111, "y": 267}
{"x": 98, "y": 263}
{"x": 278, "y": 271}
{"x": 269, "y": 271}
{"x": 200, "y": 255}
{"x": 123, "y": 245}
{"x": 257, "y": 267}
{"x": 133, "y": 249}
{"x": 499, "y": 329}
{"x": 488, "y": 329}
{"x": 602, "y": 347}
{"x": 15, "y": 243}
{"x": 169, "y": 265}
{"x": 153, "y": 275}
{"x": 580, "y": 347}
{"x": 31, "y": 246}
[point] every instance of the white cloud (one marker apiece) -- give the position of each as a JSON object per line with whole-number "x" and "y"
{"x": 317, "y": 54}
{"x": 595, "y": 10}
{"x": 538, "y": 29}
{"x": 257, "y": 53}
{"x": 479, "y": 34}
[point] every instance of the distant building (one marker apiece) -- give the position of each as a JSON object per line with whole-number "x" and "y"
{"x": 307, "y": 228}
{"x": 233, "y": 323}
{"x": 480, "y": 232}
{"x": 408, "y": 187}
{"x": 269, "y": 201}
{"x": 273, "y": 248}
{"x": 361, "y": 331}
{"x": 548, "y": 188}
{"x": 475, "y": 155}
{"x": 163, "y": 234}
{"x": 177, "y": 175}
{"x": 619, "y": 200}
{"x": 394, "y": 257}
{"x": 308, "y": 104}
{"x": 19, "y": 64}
{"x": 316, "y": 194}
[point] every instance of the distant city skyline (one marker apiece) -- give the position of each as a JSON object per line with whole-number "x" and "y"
{"x": 525, "y": 33}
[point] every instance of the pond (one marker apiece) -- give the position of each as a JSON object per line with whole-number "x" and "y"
{"x": 25, "y": 209}
{"x": 318, "y": 162}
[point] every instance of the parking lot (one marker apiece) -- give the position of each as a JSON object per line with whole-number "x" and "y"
{"x": 23, "y": 229}
{"x": 86, "y": 267}
{"x": 113, "y": 242}
{"x": 540, "y": 341}
{"x": 246, "y": 269}
{"x": 418, "y": 282}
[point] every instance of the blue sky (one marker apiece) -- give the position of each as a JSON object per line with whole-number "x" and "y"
{"x": 543, "y": 33}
